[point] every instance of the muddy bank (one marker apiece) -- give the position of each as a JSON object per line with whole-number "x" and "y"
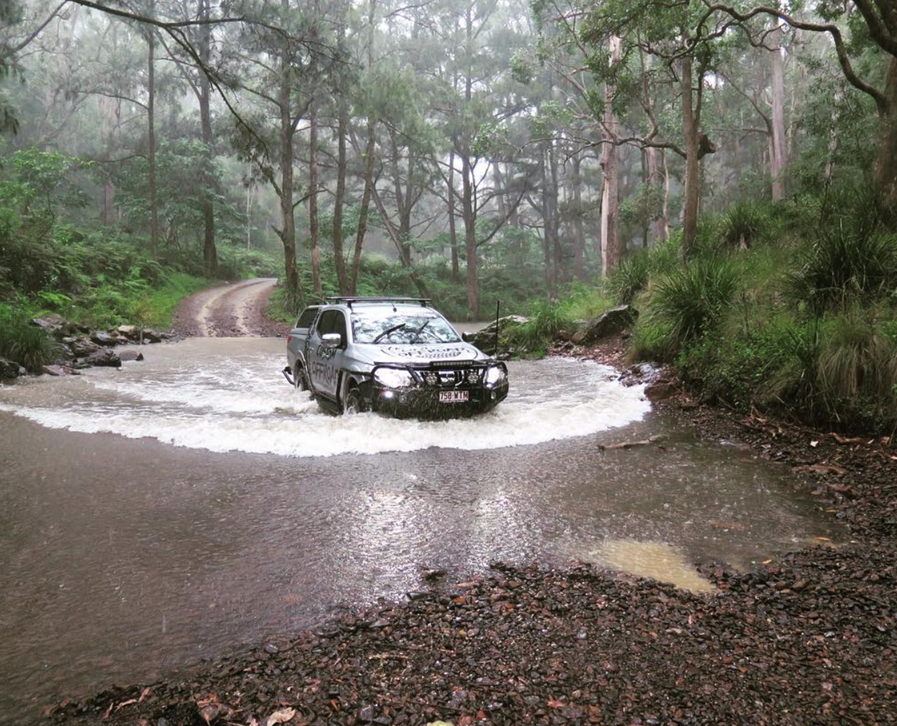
{"x": 810, "y": 639}
{"x": 804, "y": 638}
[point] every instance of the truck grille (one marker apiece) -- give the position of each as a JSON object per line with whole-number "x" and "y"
{"x": 453, "y": 378}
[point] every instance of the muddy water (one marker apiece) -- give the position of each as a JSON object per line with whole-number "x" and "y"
{"x": 166, "y": 512}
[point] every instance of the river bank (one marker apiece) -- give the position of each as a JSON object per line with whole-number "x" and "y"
{"x": 807, "y": 637}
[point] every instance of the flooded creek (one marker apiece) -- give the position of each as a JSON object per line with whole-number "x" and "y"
{"x": 177, "y": 508}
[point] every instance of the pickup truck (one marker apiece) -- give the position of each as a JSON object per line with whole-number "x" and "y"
{"x": 393, "y": 355}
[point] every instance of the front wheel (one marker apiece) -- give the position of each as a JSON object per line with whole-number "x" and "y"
{"x": 300, "y": 381}
{"x": 354, "y": 402}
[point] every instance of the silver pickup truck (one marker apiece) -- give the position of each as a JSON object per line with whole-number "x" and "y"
{"x": 393, "y": 355}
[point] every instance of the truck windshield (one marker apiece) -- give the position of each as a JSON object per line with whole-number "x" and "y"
{"x": 401, "y": 328}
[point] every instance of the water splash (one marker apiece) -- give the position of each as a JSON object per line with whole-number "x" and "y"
{"x": 230, "y": 397}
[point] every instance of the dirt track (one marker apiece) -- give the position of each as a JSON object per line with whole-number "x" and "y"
{"x": 230, "y": 310}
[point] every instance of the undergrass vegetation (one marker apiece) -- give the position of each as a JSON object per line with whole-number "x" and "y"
{"x": 22, "y": 342}
{"x": 779, "y": 306}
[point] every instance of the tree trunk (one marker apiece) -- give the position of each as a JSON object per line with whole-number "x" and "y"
{"x": 610, "y": 193}
{"x": 547, "y": 229}
{"x": 340, "y": 198}
{"x": 779, "y": 150}
{"x": 692, "y": 176}
{"x": 209, "y": 252}
{"x": 467, "y": 203}
{"x": 656, "y": 180}
{"x": 288, "y": 230}
{"x": 579, "y": 236}
{"x": 886, "y": 158}
{"x": 365, "y": 202}
{"x": 368, "y": 163}
{"x": 453, "y": 234}
{"x": 558, "y": 252}
{"x": 151, "y": 140}
{"x": 470, "y": 234}
{"x": 404, "y": 258}
{"x": 313, "y": 199}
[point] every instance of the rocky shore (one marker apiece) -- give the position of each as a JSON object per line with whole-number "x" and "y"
{"x": 808, "y": 638}
{"x": 78, "y": 347}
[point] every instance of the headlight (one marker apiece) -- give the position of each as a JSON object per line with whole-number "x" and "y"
{"x": 495, "y": 375}
{"x": 393, "y": 378}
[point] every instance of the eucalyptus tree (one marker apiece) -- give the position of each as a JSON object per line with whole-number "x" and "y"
{"x": 474, "y": 106}
{"x": 864, "y": 36}
{"x": 276, "y": 64}
{"x": 199, "y": 38}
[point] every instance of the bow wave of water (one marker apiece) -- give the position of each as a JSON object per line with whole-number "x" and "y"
{"x": 228, "y": 395}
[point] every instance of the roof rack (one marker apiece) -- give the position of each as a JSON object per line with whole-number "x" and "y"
{"x": 349, "y": 300}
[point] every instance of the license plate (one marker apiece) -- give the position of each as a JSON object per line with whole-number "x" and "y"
{"x": 454, "y": 396}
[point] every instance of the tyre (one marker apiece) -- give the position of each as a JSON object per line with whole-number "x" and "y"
{"x": 300, "y": 382}
{"x": 354, "y": 402}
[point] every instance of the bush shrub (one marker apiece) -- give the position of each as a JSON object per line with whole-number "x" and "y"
{"x": 692, "y": 299}
{"x": 22, "y": 342}
{"x": 743, "y": 224}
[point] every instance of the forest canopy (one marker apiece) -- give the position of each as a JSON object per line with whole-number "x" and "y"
{"x": 465, "y": 150}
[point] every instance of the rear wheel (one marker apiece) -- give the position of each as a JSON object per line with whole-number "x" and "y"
{"x": 354, "y": 402}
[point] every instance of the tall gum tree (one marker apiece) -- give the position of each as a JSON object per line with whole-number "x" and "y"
{"x": 680, "y": 55}
{"x": 875, "y": 24}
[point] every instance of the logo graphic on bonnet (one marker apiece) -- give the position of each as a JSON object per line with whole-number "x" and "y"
{"x": 434, "y": 353}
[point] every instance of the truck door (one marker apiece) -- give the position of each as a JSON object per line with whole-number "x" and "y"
{"x": 324, "y": 362}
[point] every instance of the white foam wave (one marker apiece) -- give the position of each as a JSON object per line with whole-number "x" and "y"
{"x": 246, "y": 407}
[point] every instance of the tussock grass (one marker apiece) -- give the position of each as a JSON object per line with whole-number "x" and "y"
{"x": 802, "y": 317}
{"x": 22, "y": 342}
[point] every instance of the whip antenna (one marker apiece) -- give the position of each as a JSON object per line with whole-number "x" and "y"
{"x": 497, "y": 310}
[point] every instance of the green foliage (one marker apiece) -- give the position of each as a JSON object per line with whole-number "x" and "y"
{"x": 804, "y": 319}
{"x": 630, "y": 278}
{"x": 744, "y": 224}
{"x": 22, "y": 342}
{"x": 156, "y": 307}
{"x": 692, "y": 299}
{"x": 848, "y": 260}
{"x": 235, "y": 263}
{"x": 546, "y": 319}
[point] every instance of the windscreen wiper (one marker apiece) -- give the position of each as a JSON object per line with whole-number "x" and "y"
{"x": 386, "y": 332}
{"x": 420, "y": 330}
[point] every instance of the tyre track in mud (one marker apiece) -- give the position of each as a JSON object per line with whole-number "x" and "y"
{"x": 230, "y": 310}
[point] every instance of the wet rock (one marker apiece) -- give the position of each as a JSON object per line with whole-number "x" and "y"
{"x": 54, "y": 324}
{"x": 53, "y": 321}
{"x": 485, "y": 339}
{"x": 65, "y": 353}
{"x": 103, "y": 339}
{"x": 103, "y": 358}
{"x": 611, "y": 322}
{"x": 660, "y": 391}
{"x": 128, "y": 331}
{"x": 8, "y": 370}
{"x": 59, "y": 370}
{"x": 130, "y": 355}
{"x": 82, "y": 347}
{"x": 151, "y": 336}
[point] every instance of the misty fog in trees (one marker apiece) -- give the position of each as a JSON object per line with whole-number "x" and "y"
{"x": 480, "y": 149}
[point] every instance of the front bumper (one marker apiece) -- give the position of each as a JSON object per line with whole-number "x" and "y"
{"x": 422, "y": 400}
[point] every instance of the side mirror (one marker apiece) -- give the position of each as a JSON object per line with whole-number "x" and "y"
{"x": 332, "y": 340}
